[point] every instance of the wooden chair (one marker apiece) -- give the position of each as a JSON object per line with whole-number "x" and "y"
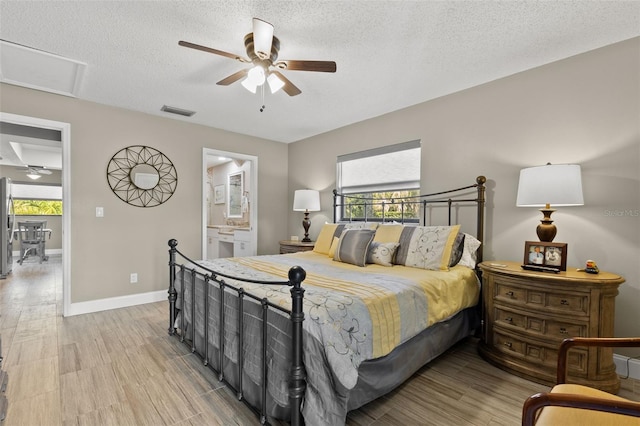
{"x": 569, "y": 404}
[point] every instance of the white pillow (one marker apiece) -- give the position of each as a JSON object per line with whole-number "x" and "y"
{"x": 469, "y": 255}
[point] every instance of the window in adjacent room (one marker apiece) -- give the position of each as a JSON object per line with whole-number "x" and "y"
{"x": 37, "y": 199}
{"x": 385, "y": 173}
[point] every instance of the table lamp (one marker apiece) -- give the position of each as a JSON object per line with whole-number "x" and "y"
{"x": 544, "y": 186}
{"x": 306, "y": 200}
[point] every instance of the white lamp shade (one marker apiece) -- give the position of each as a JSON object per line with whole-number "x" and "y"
{"x": 275, "y": 83}
{"x": 306, "y": 200}
{"x": 553, "y": 184}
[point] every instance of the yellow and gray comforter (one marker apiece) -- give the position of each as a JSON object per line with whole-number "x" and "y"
{"x": 359, "y": 313}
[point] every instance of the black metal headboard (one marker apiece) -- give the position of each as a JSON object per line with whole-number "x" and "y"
{"x": 451, "y": 197}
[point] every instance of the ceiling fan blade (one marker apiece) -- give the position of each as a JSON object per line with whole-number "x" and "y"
{"x": 318, "y": 66}
{"x": 211, "y": 50}
{"x": 38, "y": 169}
{"x": 289, "y": 88}
{"x": 233, "y": 77}
{"x": 262, "y": 37}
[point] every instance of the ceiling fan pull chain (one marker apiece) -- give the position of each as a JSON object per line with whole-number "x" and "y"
{"x": 262, "y": 92}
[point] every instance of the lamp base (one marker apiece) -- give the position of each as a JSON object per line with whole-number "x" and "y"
{"x": 546, "y": 230}
{"x": 306, "y": 223}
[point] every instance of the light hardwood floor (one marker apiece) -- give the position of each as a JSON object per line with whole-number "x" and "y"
{"x": 120, "y": 367}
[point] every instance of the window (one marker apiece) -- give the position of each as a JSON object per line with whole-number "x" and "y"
{"x": 376, "y": 176}
{"x": 37, "y": 199}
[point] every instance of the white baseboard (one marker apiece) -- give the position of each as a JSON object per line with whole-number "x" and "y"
{"x": 627, "y": 367}
{"x": 16, "y": 254}
{"x": 80, "y": 308}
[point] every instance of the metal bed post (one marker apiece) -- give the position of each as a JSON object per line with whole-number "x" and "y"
{"x": 173, "y": 294}
{"x": 481, "y": 180}
{"x": 297, "y": 382}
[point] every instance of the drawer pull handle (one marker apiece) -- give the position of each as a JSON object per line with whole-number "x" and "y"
{"x": 563, "y": 331}
{"x": 508, "y": 319}
{"x": 508, "y": 344}
{"x": 564, "y": 302}
{"x": 509, "y": 293}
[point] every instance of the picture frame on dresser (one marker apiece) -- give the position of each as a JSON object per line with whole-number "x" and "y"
{"x": 546, "y": 254}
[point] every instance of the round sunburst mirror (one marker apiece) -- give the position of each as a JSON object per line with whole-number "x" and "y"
{"x": 142, "y": 176}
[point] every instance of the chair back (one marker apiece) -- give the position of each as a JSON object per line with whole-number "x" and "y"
{"x": 32, "y": 231}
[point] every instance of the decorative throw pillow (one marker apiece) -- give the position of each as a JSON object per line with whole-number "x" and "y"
{"x": 334, "y": 246}
{"x": 359, "y": 225}
{"x": 325, "y": 238}
{"x": 353, "y": 245}
{"x": 457, "y": 249}
{"x": 469, "y": 255}
{"x": 426, "y": 247}
{"x": 388, "y": 233}
{"x": 381, "y": 253}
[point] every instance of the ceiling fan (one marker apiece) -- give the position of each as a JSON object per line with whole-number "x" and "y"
{"x": 35, "y": 172}
{"x": 262, "y": 48}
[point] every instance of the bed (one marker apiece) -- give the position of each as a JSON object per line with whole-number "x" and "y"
{"x": 306, "y": 337}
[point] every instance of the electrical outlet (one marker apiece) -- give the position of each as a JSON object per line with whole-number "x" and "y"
{"x": 99, "y": 211}
{"x": 134, "y": 278}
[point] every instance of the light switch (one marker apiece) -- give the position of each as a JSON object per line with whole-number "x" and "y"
{"x": 99, "y": 211}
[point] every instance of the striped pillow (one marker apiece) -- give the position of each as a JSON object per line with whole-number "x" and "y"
{"x": 353, "y": 246}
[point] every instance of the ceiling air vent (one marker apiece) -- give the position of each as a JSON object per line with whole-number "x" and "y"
{"x": 178, "y": 111}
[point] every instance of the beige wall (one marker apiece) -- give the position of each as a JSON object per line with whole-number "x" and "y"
{"x": 104, "y": 251}
{"x": 583, "y": 110}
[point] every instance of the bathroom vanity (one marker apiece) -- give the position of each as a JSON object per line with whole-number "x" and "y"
{"x": 229, "y": 241}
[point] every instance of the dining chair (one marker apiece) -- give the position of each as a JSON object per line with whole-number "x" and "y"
{"x": 31, "y": 235}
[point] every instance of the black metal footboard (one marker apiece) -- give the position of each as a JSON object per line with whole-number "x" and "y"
{"x": 214, "y": 281}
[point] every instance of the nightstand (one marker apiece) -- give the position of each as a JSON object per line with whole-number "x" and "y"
{"x": 528, "y": 313}
{"x": 290, "y": 246}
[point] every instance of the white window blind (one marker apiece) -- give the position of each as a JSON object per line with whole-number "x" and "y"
{"x": 23, "y": 191}
{"x": 390, "y": 168}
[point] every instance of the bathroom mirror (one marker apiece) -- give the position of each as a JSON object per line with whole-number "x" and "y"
{"x": 142, "y": 176}
{"x": 235, "y": 189}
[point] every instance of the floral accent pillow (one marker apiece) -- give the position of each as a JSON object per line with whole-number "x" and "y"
{"x": 382, "y": 253}
{"x": 427, "y": 247}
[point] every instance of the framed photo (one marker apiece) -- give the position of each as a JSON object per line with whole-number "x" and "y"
{"x": 218, "y": 194}
{"x": 549, "y": 255}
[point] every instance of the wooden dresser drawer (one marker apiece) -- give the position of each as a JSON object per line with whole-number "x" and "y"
{"x": 534, "y": 323}
{"x": 538, "y": 352}
{"x": 515, "y": 293}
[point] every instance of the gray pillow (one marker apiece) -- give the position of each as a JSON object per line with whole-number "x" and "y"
{"x": 456, "y": 251}
{"x": 353, "y": 246}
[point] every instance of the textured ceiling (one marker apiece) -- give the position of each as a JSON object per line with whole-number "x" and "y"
{"x": 389, "y": 54}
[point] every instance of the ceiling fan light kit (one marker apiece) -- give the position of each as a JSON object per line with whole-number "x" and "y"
{"x": 36, "y": 172}
{"x": 262, "y": 49}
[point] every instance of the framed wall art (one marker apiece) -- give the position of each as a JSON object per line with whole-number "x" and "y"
{"x": 545, "y": 255}
{"x": 218, "y": 194}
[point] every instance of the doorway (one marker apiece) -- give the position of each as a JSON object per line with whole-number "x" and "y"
{"x": 65, "y": 131}
{"x": 216, "y": 195}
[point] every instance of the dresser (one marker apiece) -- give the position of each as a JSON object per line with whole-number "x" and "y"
{"x": 528, "y": 313}
{"x": 290, "y": 246}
